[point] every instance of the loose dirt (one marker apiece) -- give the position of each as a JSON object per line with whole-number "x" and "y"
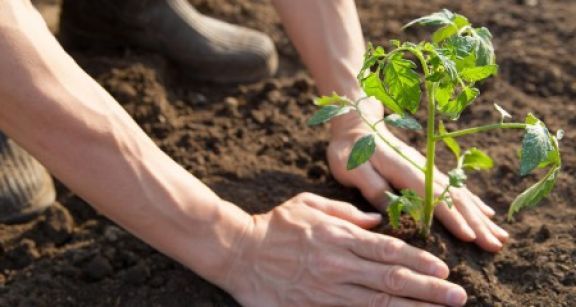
{"x": 250, "y": 143}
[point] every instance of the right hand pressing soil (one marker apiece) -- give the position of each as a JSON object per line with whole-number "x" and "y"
{"x": 312, "y": 251}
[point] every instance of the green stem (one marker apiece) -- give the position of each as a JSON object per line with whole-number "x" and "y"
{"x": 430, "y": 154}
{"x": 473, "y": 130}
{"x": 383, "y": 139}
{"x": 441, "y": 197}
{"x": 430, "y": 149}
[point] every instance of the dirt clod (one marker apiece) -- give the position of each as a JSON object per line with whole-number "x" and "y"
{"x": 97, "y": 268}
{"x": 58, "y": 224}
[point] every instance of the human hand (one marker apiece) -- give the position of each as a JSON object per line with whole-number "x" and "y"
{"x": 469, "y": 219}
{"x": 312, "y": 251}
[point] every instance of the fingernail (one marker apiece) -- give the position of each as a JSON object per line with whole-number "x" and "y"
{"x": 456, "y": 297}
{"x": 440, "y": 271}
{"x": 504, "y": 233}
{"x": 495, "y": 242}
{"x": 374, "y": 216}
{"x": 490, "y": 211}
{"x": 470, "y": 233}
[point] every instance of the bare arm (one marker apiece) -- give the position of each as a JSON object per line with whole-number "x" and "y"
{"x": 72, "y": 125}
{"x": 328, "y": 37}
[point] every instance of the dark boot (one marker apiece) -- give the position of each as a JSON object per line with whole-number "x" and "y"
{"x": 203, "y": 47}
{"x": 26, "y": 188}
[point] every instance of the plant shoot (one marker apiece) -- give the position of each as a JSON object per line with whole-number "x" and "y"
{"x": 445, "y": 72}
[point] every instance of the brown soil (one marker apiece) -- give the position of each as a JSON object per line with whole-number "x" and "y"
{"x": 251, "y": 144}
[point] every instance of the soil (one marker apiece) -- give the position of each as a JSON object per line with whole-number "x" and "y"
{"x": 250, "y": 143}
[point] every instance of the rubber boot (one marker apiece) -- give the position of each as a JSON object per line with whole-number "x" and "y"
{"x": 203, "y": 47}
{"x": 26, "y": 188}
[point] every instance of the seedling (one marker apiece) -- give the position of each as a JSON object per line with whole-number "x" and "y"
{"x": 446, "y": 72}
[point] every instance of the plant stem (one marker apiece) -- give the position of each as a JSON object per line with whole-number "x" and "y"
{"x": 467, "y": 131}
{"x": 443, "y": 195}
{"x": 430, "y": 149}
{"x": 430, "y": 154}
{"x": 383, "y": 139}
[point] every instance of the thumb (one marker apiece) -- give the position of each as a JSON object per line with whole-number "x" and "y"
{"x": 372, "y": 185}
{"x": 344, "y": 211}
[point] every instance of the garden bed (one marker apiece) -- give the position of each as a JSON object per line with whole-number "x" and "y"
{"x": 251, "y": 144}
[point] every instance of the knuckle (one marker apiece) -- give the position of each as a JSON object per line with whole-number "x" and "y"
{"x": 326, "y": 265}
{"x": 304, "y": 196}
{"x": 336, "y": 234}
{"x": 458, "y": 196}
{"x": 392, "y": 248}
{"x": 371, "y": 194}
{"x": 395, "y": 278}
{"x": 380, "y": 300}
{"x": 438, "y": 288}
{"x": 424, "y": 259}
{"x": 325, "y": 232}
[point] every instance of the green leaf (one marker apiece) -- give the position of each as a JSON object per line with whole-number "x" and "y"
{"x": 503, "y": 113}
{"x": 444, "y": 17}
{"x": 484, "y": 48}
{"x": 372, "y": 86}
{"x": 335, "y": 99}
{"x": 534, "y": 194}
{"x": 326, "y": 113}
{"x": 460, "y": 21}
{"x": 443, "y": 94}
{"x": 361, "y": 152}
{"x": 449, "y": 142}
{"x": 476, "y": 159}
{"x": 371, "y": 57}
{"x": 413, "y": 204}
{"x": 457, "y": 177}
{"x": 444, "y": 33}
{"x": 478, "y": 73}
{"x": 553, "y": 158}
{"x": 403, "y": 83}
{"x": 394, "y": 209}
{"x": 454, "y": 108}
{"x": 532, "y": 120}
{"x": 406, "y": 121}
{"x": 449, "y": 65}
{"x": 535, "y": 147}
{"x": 465, "y": 62}
{"x": 436, "y": 76}
{"x": 408, "y": 202}
{"x": 461, "y": 46}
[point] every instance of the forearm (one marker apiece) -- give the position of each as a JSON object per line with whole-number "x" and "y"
{"x": 328, "y": 37}
{"x": 66, "y": 120}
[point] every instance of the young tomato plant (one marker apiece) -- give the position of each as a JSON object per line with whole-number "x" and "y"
{"x": 447, "y": 70}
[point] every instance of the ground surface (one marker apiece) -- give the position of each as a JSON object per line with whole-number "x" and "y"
{"x": 250, "y": 143}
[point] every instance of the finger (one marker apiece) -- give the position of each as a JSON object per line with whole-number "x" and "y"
{"x": 498, "y": 231}
{"x": 403, "y": 282}
{"x": 487, "y": 210}
{"x": 454, "y": 222}
{"x": 372, "y": 186}
{"x": 362, "y": 296}
{"x": 386, "y": 249}
{"x": 478, "y": 222}
{"x": 341, "y": 210}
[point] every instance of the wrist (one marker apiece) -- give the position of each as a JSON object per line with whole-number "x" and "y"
{"x": 213, "y": 247}
{"x": 372, "y": 111}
